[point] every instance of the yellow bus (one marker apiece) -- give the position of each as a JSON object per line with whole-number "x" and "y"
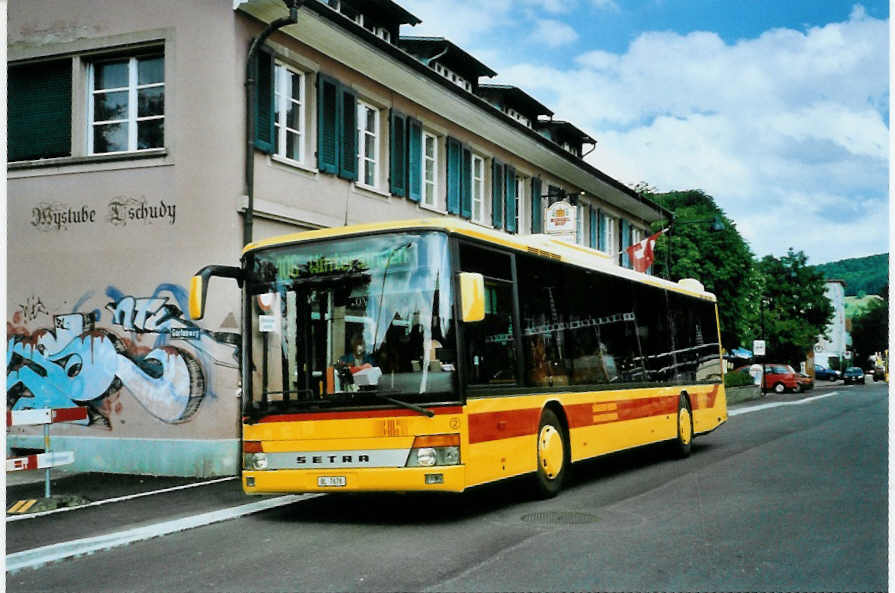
{"x": 437, "y": 355}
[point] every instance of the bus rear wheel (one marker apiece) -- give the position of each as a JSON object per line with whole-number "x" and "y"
{"x": 684, "y": 441}
{"x": 552, "y": 456}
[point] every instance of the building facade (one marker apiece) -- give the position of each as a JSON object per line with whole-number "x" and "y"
{"x": 836, "y": 344}
{"x": 127, "y": 173}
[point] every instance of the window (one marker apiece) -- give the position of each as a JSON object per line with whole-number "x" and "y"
{"x": 126, "y": 104}
{"x": 39, "y": 117}
{"x": 430, "y": 159}
{"x": 368, "y": 143}
{"x": 490, "y": 344}
{"x": 289, "y": 97}
{"x": 607, "y": 235}
{"x": 478, "y": 189}
{"x": 520, "y": 204}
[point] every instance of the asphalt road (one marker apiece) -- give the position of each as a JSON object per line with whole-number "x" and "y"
{"x": 791, "y": 498}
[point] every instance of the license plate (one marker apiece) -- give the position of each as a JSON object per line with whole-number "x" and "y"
{"x": 331, "y": 481}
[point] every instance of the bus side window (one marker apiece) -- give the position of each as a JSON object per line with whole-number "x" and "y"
{"x": 543, "y": 313}
{"x": 490, "y": 343}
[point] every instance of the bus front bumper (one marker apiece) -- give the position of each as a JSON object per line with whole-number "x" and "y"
{"x": 398, "y": 479}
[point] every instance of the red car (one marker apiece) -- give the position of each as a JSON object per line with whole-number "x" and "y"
{"x": 781, "y": 377}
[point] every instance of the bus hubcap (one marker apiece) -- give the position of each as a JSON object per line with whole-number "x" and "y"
{"x": 550, "y": 451}
{"x": 684, "y": 426}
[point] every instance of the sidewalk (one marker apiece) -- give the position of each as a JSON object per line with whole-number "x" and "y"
{"x": 113, "y": 503}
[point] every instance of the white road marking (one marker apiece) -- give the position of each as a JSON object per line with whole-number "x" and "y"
{"x": 739, "y": 411}
{"x": 117, "y": 499}
{"x": 39, "y": 556}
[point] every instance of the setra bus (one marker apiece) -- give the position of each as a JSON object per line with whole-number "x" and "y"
{"x": 440, "y": 355}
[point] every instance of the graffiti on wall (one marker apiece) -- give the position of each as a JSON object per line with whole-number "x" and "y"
{"x": 77, "y": 362}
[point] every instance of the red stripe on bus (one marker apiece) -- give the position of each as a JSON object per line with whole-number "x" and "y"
{"x": 503, "y": 425}
{"x": 354, "y": 415}
{"x": 492, "y": 426}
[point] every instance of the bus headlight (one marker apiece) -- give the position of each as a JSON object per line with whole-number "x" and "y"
{"x": 425, "y": 456}
{"x": 430, "y": 450}
{"x": 255, "y": 461}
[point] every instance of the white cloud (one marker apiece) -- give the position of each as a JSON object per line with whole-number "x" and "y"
{"x": 553, "y": 33}
{"x": 607, "y": 5}
{"x": 784, "y": 130}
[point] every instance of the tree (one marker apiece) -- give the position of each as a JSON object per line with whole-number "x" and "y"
{"x": 796, "y": 308}
{"x": 722, "y": 261}
{"x": 870, "y": 329}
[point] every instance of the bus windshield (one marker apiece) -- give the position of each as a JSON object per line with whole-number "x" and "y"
{"x": 351, "y": 322}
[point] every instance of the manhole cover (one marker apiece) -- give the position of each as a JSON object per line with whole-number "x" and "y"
{"x": 560, "y": 518}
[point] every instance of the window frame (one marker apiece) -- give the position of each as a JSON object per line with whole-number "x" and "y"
{"x": 610, "y": 233}
{"x": 473, "y": 180}
{"x": 362, "y": 157}
{"x": 281, "y": 104}
{"x": 426, "y": 183}
{"x": 133, "y": 87}
{"x": 521, "y": 181}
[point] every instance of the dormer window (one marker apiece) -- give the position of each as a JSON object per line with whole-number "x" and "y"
{"x": 350, "y": 12}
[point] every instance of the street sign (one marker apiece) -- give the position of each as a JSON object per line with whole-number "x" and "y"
{"x": 758, "y": 347}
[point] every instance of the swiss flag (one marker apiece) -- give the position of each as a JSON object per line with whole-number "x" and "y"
{"x": 642, "y": 253}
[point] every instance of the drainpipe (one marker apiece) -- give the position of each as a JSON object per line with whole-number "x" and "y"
{"x": 251, "y": 81}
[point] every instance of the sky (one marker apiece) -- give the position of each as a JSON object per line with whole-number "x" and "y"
{"x": 777, "y": 109}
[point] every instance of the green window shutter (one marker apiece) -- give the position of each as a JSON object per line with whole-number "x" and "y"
{"x": 39, "y": 110}
{"x": 397, "y": 153}
{"x": 347, "y": 117}
{"x": 264, "y": 101}
{"x": 592, "y": 227}
{"x": 537, "y": 223}
{"x": 601, "y": 226}
{"x": 454, "y": 176}
{"x": 510, "y": 198}
{"x": 414, "y": 159}
{"x": 328, "y": 121}
{"x": 496, "y": 193}
{"x": 625, "y": 242}
{"x": 466, "y": 184}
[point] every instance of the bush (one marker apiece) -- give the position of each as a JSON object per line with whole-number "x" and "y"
{"x": 738, "y": 379}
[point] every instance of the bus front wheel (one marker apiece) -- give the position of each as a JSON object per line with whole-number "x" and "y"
{"x": 684, "y": 441}
{"x": 552, "y": 455}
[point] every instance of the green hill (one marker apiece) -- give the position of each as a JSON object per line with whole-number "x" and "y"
{"x": 855, "y": 306}
{"x": 861, "y": 274}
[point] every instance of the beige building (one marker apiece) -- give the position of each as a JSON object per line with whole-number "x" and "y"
{"x": 127, "y": 173}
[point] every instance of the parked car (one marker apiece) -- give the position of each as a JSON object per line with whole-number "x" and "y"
{"x": 822, "y": 372}
{"x": 853, "y": 375}
{"x": 779, "y": 377}
{"x": 805, "y": 382}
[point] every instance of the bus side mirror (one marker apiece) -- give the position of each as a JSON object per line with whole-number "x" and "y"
{"x": 472, "y": 297}
{"x": 199, "y": 286}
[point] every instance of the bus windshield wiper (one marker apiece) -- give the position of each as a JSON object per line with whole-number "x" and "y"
{"x": 381, "y": 395}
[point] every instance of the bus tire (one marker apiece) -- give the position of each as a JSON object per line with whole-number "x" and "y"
{"x": 683, "y": 443}
{"x": 552, "y": 456}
